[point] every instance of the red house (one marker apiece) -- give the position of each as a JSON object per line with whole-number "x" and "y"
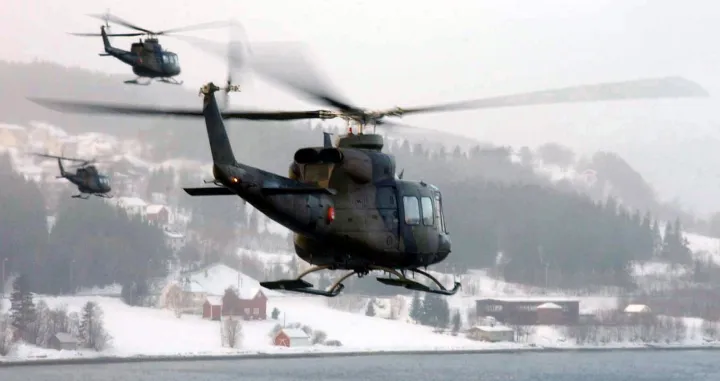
{"x": 249, "y": 305}
{"x": 212, "y": 308}
{"x": 157, "y": 213}
{"x": 291, "y": 337}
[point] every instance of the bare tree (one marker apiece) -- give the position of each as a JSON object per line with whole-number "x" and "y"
{"x": 319, "y": 337}
{"x": 36, "y": 330}
{"x": 52, "y": 322}
{"x": 73, "y": 325}
{"x": 472, "y": 317}
{"x": 231, "y": 332}
{"x": 397, "y": 305}
{"x": 277, "y": 328}
{"x": 92, "y": 330}
{"x": 347, "y": 302}
{"x": 6, "y": 336}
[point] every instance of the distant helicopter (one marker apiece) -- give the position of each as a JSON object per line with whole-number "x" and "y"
{"x": 87, "y": 178}
{"x": 346, "y": 206}
{"x": 147, "y": 58}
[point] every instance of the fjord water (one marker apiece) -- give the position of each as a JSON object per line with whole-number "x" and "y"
{"x": 586, "y": 366}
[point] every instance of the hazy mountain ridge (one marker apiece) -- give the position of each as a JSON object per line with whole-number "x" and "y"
{"x": 167, "y": 140}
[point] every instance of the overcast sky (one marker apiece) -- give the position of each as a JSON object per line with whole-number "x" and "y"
{"x": 384, "y": 53}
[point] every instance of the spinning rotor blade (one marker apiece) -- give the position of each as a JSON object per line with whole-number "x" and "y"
{"x": 650, "y": 88}
{"x": 59, "y": 157}
{"x": 96, "y": 108}
{"x": 117, "y": 20}
{"x": 109, "y": 35}
{"x": 289, "y": 64}
{"x": 206, "y": 25}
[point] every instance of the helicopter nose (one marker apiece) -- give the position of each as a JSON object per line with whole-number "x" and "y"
{"x": 445, "y": 245}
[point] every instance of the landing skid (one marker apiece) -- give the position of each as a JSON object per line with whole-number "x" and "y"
{"x": 85, "y": 196}
{"x": 136, "y": 82}
{"x": 302, "y": 286}
{"x": 171, "y": 81}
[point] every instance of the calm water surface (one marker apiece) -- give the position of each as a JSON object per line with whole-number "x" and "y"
{"x": 607, "y": 366}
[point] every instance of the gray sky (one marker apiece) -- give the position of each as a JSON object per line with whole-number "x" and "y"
{"x": 384, "y": 53}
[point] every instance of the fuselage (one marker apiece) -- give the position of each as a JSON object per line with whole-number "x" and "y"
{"x": 374, "y": 218}
{"x": 90, "y": 183}
{"x": 161, "y": 64}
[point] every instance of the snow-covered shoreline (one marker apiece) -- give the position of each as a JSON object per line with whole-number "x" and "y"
{"x": 259, "y": 355}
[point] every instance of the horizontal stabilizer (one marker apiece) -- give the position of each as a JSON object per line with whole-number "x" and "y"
{"x": 209, "y": 191}
{"x": 282, "y": 191}
{"x": 103, "y": 54}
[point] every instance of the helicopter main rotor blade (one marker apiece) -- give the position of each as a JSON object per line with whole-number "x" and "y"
{"x": 97, "y": 108}
{"x": 205, "y": 25}
{"x": 117, "y": 20}
{"x": 109, "y": 35}
{"x": 289, "y": 64}
{"x": 649, "y": 88}
{"x": 58, "y": 157}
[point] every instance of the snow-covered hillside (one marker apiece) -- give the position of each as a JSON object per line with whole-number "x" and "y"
{"x": 129, "y": 157}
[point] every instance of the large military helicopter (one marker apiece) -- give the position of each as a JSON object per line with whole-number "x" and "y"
{"x": 147, "y": 57}
{"x": 87, "y": 178}
{"x": 346, "y": 206}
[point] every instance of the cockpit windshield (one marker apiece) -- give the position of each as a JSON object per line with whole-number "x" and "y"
{"x": 170, "y": 58}
{"x": 104, "y": 180}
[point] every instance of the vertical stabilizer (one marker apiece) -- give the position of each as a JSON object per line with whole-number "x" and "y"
{"x": 327, "y": 143}
{"x": 217, "y": 135}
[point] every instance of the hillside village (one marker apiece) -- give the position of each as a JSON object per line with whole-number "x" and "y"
{"x": 213, "y": 293}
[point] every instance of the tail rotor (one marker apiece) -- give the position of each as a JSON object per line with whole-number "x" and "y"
{"x": 236, "y": 60}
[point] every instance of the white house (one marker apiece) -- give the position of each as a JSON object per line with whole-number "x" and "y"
{"x": 133, "y": 205}
{"x": 636, "y": 309}
{"x": 292, "y": 337}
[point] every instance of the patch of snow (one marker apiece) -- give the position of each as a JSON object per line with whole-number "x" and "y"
{"x": 50, "y": 129}
{"x": 214, "y": 280}
{"x": 704, "y": 247}
{"x": 12, "y": 127}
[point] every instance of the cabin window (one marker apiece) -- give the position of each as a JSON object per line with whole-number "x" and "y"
{"x": 439, "y": 216}
{"x": 256, "y": 311}
{"x": 412, "y": 210}
{"x": 427, "y": 211}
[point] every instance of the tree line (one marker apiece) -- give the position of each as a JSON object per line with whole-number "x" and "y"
{"x": 37, "y": 323}
{"x": 90, "y": 243}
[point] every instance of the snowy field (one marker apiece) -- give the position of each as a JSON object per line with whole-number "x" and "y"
{"x": 704, "y": 247}
{"x": 140, "y": 331}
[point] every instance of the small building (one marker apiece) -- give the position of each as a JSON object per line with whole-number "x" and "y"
{"x": 212, "y": 308}
{"x": 493, "y": 333}
{"x": 292, "y": 337}
{"x": 157, "y": 214}
{"x": 194, "y": 292}
{"x": 63, "y": 341}
{"x": 174, "y": 239}
{"x": 637, "y": 309}
{"x": 523, "y": 311}
{"x": 249, "y": 305}
{"x": 549, "y": 314}
{"x": 133, "y": 205}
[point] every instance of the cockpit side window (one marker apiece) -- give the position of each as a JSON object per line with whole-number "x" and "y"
{"x": 427, "y": 211}
{"x": 439, "y": 216}
{"x": 412, "y": 210}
